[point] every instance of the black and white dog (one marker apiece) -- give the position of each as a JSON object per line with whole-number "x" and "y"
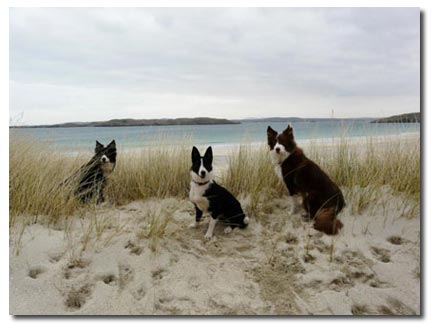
{"x": 92, "y": 176}
{"x": 208, "y": 196}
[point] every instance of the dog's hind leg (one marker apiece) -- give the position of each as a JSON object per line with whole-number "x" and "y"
{"x": 308, "y": 207}
{"x": 325, "y": 221}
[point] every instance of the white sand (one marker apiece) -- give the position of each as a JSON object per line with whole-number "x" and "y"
{"x": 102, "y": 263}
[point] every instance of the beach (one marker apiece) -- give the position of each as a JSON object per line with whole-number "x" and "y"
{"x": 314, "y": 117}
{"x": 142, "y": 258}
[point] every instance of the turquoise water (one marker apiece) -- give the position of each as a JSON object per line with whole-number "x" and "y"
{"x": 248, "y": 132}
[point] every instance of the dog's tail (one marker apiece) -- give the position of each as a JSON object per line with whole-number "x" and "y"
{"x": 245, "y": 222}
{"x": 325, "y": 221}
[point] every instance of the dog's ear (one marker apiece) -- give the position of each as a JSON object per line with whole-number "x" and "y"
{"x": 112, "y": 144}
{"x": 208, "y": 155}
{"x": 195, "y": 154}
{"x": 289, "y": 133}
{"x": 271, "y": 131}
{"x": 98, "y": 147}
{"x": 289, "y": 129}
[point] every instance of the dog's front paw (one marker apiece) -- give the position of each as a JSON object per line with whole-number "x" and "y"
{"x": 228, "y": 230}
{"x": 208, "y": 236}
{"x": 294, "y": 208}
{"x": 193, "y": 225}
{"x": 103, "y": 204}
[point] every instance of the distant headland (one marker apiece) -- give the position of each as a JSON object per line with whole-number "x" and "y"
{"x": 139, "y": 122}
{"x": 404, "y": 118}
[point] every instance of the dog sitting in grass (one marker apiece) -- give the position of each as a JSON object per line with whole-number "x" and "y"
{"x": 322, "y": 198}
{"x": 208, "y": 196}
{"x": 92, "y": 176}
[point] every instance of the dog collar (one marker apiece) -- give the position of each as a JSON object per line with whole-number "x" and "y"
{"x": 200, "y": 183}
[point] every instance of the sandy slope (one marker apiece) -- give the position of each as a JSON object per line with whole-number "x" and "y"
{"x": 102, "y": 263}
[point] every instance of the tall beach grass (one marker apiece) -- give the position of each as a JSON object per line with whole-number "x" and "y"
{"x": 36, "y": 180}
{"x": 360, "y": 168}
{"x": 156, "y": 172}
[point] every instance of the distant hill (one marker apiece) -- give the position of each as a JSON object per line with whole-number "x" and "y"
{"x": 404, "y": 118}
{"x": 298, "y": 119}
{"x": 140, "y": 122}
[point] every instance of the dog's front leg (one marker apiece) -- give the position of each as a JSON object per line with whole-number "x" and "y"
{"x": 198, "y": 215}
{"x": 211, "y": 228}
{"x": 101, "y": 197}
{"x": 296, "y": 204}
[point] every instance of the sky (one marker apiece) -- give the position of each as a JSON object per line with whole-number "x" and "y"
{"x": 91, "y": 64}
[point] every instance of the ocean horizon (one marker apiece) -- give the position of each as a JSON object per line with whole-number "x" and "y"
{"x": 132, "y": 137}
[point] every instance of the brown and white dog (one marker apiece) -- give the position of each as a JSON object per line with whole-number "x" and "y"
{"x": 322, "y": 198}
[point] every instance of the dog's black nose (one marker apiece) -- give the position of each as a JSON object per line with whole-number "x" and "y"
{"x": 203, "y": 173}
{"x": 277, "y": 149}
{"x": 104, "y": 159}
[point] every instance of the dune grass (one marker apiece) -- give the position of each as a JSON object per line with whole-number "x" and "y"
{"x": 364, "y": 169}
{"x": 251, "y": 174}
{"x": 157, "y": 172}
{"x": 36, "y": 177}
{"x": 157, "y": 222}
{"x": 36, "y": 173}
{"x": 395, "y": 163}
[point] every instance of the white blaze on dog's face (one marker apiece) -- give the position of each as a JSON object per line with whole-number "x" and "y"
{"x": 106, "y": 165}
{"x": 107, "y": 156}
{"x": 281, "y": 145}
{"x": 202, "y": 169}
{"x": 279, "y": 153}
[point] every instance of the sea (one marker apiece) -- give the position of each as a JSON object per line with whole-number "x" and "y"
{"x": 83, "y": 138}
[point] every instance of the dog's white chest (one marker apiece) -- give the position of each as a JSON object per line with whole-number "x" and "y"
{"x": 278, "y": 171}
{"x": 196, "y": 195}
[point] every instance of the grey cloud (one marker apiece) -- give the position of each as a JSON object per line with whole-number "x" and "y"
{"x": 229, "y": 59}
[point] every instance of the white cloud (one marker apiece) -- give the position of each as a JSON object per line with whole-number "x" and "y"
{"x": 95, "y": 64}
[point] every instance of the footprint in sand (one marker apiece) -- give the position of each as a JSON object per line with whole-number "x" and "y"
{"x": 376, "y": 283}
{"x": 126, "y": 274}
{"x": 55, "y": 257}
{"x": 291, "y": 238}
{"x": 340, "y": 283}
{"x": 158, "y": 274}
{"x": 395, "y": 240}
{"x": 75, "y": 268}
{"x": 35, "y": 272}
{"x": 396, "y": 307}
{"x": 108, "y": 279}
{"x": 360, "y": 309}
{"x": 357, "y": 268}
{"x": 309, "y": 258}
{"x": 133, "y": 248}
{"x": 139, "y": 292}
{"x": 76, "y": 297}
{"x": 381, "y": 254}
{"x": 393, "y": 307}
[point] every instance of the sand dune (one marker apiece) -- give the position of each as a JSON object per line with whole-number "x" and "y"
{"x": 107, "y": 262}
